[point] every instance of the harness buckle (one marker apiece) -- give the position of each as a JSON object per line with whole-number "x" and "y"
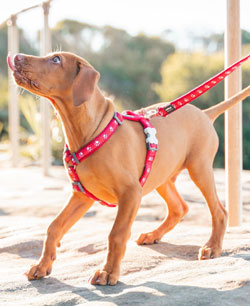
{"x": 117, "y": 119}
{"x": 148, "y": 145}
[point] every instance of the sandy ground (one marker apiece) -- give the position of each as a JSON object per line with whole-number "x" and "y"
{"x": 164, "y": 274}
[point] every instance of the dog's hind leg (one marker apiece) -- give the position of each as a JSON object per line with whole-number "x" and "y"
{"x": 177, "y": 209}
{"x": 201, "y": 172}
{"x": 77, "y": 206}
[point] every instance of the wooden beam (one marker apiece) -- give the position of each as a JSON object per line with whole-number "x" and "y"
{"x": 18, "y": 13}
{"x": 233, "y": 117}
{"x": 23, "y": 11}
{"x": 13, "y": 113}
{"x": 45, "y": 106}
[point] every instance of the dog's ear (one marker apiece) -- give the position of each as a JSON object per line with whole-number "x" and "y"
{"x": 84, "y": 84}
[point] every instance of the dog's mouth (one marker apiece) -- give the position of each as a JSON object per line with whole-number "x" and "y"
{"x": 20, "y": 74}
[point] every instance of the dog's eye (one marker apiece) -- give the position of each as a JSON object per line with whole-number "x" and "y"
{"x": 77, "y": 69}
{"x": 56, "y": 59}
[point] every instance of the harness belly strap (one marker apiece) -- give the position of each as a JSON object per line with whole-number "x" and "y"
{"x": 96, "y": 143}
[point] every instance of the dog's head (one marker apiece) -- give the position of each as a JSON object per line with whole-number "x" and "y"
{"x": 57, "y": 75}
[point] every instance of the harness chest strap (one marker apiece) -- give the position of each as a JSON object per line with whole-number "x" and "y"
{"x": 95, "y": 144}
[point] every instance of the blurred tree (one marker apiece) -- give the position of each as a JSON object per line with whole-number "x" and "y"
{"x": 3, "y": 51}
{"x": 246, "y": 112}
{"x": 215, "y": 41}
{"x": 128, "y": 64}
{"x": 245, "y": 37}
{"x": 73, "y": 36}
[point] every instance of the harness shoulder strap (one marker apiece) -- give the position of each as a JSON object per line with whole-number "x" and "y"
{"x": 95, "y": 144}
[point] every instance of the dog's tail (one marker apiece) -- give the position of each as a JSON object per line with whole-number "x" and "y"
{"x": 215, "y": 111}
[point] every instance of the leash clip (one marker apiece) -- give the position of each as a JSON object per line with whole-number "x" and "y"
{"x": 151, "y": 113}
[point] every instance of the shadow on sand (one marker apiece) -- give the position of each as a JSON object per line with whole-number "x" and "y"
{"x": 29, "y": 249}
{"x": 160, "y": 294}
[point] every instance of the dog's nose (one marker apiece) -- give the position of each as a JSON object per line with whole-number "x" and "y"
{"x": 18, "y": 58}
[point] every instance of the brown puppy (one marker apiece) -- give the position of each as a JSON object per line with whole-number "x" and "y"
{"x": 187, "y": 139}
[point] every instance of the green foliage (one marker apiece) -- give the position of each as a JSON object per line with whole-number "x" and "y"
{"x": 3, "y": 51}
{"x": 3, "y": 93}
{"x": 128, "y": 64}
{"x": 31, "y": 135}
{"x": 215, "y": 42}
{"x": 30, "y": 109}
{"x": 245, "y": 37}
{"x": 57, "y": 144}
{"x": 3, "y": 107}
{"x": 246, "y": 113}
{"x": 181, "y": 72}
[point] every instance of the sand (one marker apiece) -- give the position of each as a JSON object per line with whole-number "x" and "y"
{"x": 167, "y": 273}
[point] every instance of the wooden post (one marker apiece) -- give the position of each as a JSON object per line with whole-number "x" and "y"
{"x": 14, "y": 119}
{"x": 45, "y": 106}
{"x": 233, "y": 117}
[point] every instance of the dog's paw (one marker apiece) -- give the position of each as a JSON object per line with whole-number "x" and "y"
{"x": 148, "y": 238}
{"x": 38, "y": 271}
{"x": 207, "y": 252}
{"x": 103, "y": 278}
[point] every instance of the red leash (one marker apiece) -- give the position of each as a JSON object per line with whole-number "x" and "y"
{"x": 196, "y": 92}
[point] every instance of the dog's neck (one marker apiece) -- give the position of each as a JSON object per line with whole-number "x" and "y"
{"x": 83, "y": 123}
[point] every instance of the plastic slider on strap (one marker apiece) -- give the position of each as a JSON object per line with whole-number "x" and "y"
{"x": 75, "y": 158}
{"x": 117, "y": 119}
{"x": 151, "y": 148}
{"x": 79, "y": 185}
{"x": 66, "y": 149}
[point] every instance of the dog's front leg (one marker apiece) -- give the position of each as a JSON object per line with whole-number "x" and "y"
{"x": 76, "y": 207}
{"x": 119, "y": 235}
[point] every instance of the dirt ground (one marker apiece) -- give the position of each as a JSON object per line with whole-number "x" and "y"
{"x": 167, "y": 273}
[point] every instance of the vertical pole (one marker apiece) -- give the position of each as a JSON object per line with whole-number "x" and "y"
{"x": 13, "y": 113}
{"x": 45, "y": 106}
{"x": 233, "y": 117}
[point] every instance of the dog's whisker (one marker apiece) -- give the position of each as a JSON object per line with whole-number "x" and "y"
{"x": 58, "y": 48}
{"x": 22, "y": 91}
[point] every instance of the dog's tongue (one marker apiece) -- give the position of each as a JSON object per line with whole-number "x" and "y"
{"x": 11, "y": 65}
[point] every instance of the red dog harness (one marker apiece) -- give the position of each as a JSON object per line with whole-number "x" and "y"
{"x": 149, "y": 130}
{"x": 96, "y": 143}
